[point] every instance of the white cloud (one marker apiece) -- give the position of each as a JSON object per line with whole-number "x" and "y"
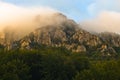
{"x": 105, "y": 21}
{"x": 106, "y": 16}
{"x": 10, "y": 12}
{"x": 12, "y": 15}
{"x": 23, "y": 20}
{"x": 98, "y": 6}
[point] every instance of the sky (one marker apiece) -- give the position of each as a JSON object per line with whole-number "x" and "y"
{"x": 75, "y": 9}
{"x": 100, "y": 15}
{"x": 78, "y": 10}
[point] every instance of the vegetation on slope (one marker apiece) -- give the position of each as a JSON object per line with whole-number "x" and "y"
{"x": 50, "y": 63}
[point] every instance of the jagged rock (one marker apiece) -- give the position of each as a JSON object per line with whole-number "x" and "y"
{"x": 112, "y": 39}
{"x": 82, "y": 36}
{"x": 67, "y": 34}
{"x": 80, "y": 48}
{"x": 63, "y": 33}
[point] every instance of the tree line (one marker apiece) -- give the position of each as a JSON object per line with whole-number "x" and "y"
{"x": 50, "y": 63}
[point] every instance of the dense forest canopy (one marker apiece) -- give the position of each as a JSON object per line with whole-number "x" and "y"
{"x": 50, "y": 63}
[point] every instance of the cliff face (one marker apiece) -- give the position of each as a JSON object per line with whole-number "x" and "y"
{"x": 65, "y": 33}
{"x": 111, "y": 39}
{"x": 70, "y": 36}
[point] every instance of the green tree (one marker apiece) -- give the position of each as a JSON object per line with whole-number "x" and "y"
{"x": 14, "y": 70}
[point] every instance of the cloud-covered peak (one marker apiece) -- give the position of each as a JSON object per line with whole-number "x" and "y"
{"x": 17, "y": 16}
{"x": 19, "y": 21}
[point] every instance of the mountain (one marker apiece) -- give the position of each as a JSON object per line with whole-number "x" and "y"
{"x": 112, "y": 39}
{"x": 64, "y": 32}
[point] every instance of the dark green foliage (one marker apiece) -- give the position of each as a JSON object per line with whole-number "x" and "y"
{"x": 50, "y": 63}
{"x": 57, "y": 67}
{"x": 117, "y": 49}
{"x": 107, "y": 70}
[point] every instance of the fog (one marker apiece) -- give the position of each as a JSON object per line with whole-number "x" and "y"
{"x": 105, "y": 22}
{"x": 17, "y": 21}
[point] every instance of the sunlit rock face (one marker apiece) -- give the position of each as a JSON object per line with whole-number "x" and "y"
{"x": 112, "y": 39}
{"x": 62, "y": 33}
{"x": 56, "y": 31}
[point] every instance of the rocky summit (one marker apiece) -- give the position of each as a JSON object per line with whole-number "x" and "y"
{"x": 65, "y": 33}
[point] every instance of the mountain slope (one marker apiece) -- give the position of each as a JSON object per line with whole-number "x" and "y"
{"x": 67, "y": 34}
{"x": 63, "y": 32}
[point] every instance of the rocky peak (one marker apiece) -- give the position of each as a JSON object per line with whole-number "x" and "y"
{"x": 59, "y": 31}
{"x": 65, "y": 34}
{"x": 111, "y": 39}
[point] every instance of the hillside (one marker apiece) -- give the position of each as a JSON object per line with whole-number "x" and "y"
{"x": 63, "y": 32}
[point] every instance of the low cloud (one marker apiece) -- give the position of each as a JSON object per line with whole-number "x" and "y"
{"x": 16, "y": 16}
{"x": 106, "y": 21}
{"x": 19, "y": 21}
{"x": 98, "y": 6}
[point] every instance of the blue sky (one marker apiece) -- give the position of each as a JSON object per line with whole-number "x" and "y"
{"x": 78, "y": 10}
{"x": 93, "y": 15}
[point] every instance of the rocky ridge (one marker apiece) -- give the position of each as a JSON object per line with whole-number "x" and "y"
{"x": 66, "y": 34}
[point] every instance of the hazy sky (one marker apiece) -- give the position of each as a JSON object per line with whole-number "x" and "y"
{"x": 93, "y": 15}
{"x": 79, "y": 10}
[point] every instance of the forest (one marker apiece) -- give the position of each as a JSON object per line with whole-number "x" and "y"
{"x": 51, "y": 63}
